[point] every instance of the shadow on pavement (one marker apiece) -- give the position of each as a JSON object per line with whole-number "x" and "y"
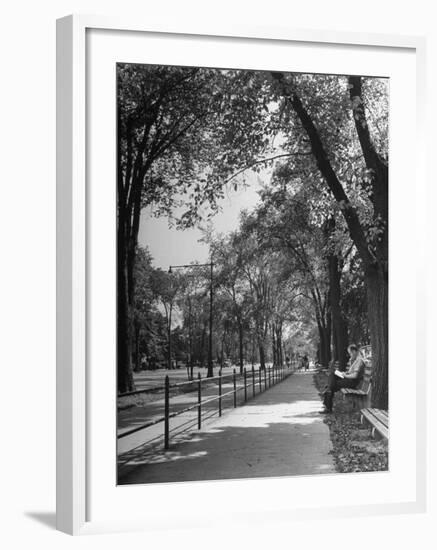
{"x": 242, "y": 446}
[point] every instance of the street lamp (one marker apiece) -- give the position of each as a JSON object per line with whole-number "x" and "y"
{"x": 210, "y": 372}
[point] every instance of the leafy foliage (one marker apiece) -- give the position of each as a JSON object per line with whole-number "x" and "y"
{"x": 320, "y": 143}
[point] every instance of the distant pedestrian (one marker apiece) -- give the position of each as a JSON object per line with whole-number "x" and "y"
{"x": 144, "y": 362}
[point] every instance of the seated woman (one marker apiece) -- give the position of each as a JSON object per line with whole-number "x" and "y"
{"x": 349, "y": 379}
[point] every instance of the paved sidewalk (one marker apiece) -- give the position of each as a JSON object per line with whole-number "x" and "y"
{"x": 278, "y": 433}
{"x": 137, "y": 416}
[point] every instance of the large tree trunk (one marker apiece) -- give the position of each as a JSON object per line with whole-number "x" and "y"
{"x": 339, "y": 328}
{"x": 325, "y": 344}
{"x": 377, "y": 297}
{"x": 125, "y": 380}
{"x": 328, "y": 335}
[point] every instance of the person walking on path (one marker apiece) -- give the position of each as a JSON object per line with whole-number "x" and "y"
{"x": 349, "y": 379}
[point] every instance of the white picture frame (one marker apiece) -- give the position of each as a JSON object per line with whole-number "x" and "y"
{"x": 73, "y": 396}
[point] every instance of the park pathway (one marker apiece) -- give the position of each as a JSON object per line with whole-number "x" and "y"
{"x": 277, "y": 433}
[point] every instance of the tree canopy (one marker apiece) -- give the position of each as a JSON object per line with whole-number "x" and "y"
{"x": 310, "y": 260}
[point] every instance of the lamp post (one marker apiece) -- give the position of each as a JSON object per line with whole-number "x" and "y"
{"x": 210, "y": 371}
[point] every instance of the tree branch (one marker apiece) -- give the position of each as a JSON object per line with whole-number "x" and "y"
{"x": 325, "y": 167}
{"x": 249, "y": 166}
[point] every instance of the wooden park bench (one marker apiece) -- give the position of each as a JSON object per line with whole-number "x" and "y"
{"x": 361, "y": 396}
{"x": 378, "y": 419}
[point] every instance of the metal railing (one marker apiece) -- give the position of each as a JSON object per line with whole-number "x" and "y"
{"x": 250, "y": 379}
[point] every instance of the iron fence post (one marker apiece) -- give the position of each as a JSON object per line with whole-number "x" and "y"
{"x": 245, "y": 385}
{"x": 265, "y": 379}
{"x": 259, "y": 379}
{"x": 234, "y": 379}
{"x": 253, "y": 381}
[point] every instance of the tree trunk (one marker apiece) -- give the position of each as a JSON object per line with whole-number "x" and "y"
{"x": 277, "y": 343}
{"x": 241, "y": 345}
{"x": 137, "y": 367}
{"x": 222, "y": 346}
{"x": 126, "y": 251}
{"x": 262, "y": 357}
{"x": 125, "y": 381}
{"x": 324, "y": 342}
{"x": 377, "y": 297}
{"x": 252, "y": 354}
{"x": 274, "y": 348}
{"x": 202, "y": 347}
{"x": 322, "y": 345}
{"x": 280, "y": 346}
{"x": 339, "y": 330}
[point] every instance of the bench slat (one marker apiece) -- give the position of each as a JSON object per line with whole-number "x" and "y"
{"x": 381, "y": 415}
{"x": 351, "y": 391}
{"x": 378, "y": 419}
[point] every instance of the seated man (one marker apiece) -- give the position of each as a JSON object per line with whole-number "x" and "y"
{"x": 349, "y": 379}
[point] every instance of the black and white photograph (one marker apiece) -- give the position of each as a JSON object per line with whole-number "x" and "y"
{"x": 219, "y": 266}
{"x": 252, "y": 273}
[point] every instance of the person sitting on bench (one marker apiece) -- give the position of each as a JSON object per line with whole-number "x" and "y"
{"x": 349, "y": 379}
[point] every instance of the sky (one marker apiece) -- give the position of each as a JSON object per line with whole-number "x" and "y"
{"x": 176, "y": 247}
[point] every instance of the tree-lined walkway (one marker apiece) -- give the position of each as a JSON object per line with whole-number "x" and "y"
{"x": 278, "y": 433}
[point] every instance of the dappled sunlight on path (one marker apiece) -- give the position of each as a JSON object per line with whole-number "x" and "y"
{"x": 279, "y": 432}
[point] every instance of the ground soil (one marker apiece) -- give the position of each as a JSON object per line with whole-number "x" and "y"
{"x": 354, "y": 449}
